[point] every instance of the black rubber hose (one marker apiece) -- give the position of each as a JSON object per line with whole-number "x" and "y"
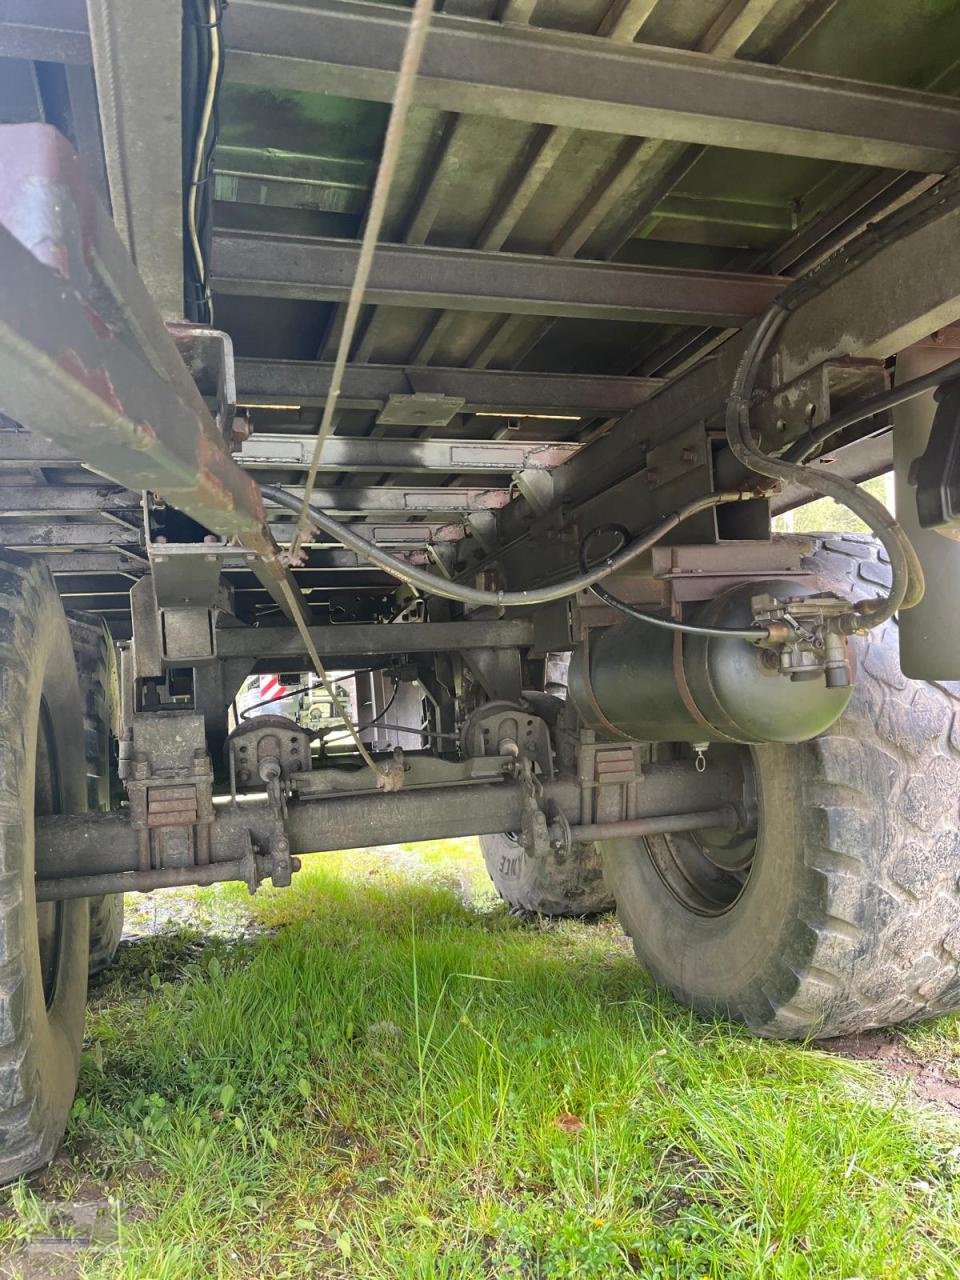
{"x": 804, "y": 448}
{"x": 433, "y": 585}
{"x": 668, "y": 624}
{"x": 907, "y": 585}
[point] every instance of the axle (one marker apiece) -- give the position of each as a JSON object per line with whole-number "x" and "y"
{"x": 83, "y": 855}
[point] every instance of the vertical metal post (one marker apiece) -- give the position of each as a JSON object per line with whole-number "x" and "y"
{"x": 137, "y": 60}
{"x": 929, "y": 648}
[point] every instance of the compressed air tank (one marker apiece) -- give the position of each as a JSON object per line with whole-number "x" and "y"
{"x": 641, "y": 681}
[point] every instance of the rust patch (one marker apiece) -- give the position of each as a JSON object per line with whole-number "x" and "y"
{"x": 212, "y": 463}
{"x": 95, "y": 380}
{"x": 45, "y": 199}
{"x": 97, "y": 322}
{"x": 144, "y": 435}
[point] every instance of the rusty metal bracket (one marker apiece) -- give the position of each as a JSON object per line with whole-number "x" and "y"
{"x": 169, "y": 780}
{"x": 610, "y": 775}
{"x": 85, "y": 355}
{"x": 793, "y": 408}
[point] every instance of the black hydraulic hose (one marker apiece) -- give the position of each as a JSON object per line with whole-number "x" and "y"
{"x": 377, "y": 718}
{"x": 433, "y": 585}
{"x": 688, "y": 628}
{"x": 803, "y": 449}
{"x": 906, "y": 588}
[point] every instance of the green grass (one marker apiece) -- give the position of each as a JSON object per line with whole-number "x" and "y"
{"x": 388, "y": 1083}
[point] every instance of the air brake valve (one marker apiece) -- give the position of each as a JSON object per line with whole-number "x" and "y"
{"x": 808, "y": 636}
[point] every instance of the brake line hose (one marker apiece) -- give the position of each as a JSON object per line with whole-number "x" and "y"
{"x": 906, "y": 589}
{"x": 804, "y": 448}
{"x": 668, "y": 624}
{"x": 433, "y": 585}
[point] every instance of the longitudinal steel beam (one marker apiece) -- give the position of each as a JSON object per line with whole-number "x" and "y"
{"x": 369, "y": 386}
{"x": 375, "y": 639}
{"x": 86, "y": 361}
{"x": 136, "y": 60}
{"x": 859, "y": 461}
{"x": 897, "y": 296}
{"x": 353, "y": 50}
{"x": 422, "y": 276}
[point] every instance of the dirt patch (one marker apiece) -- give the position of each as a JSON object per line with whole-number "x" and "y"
{"x": 57, "y": 1216}
{"x": 930, "y": 1081}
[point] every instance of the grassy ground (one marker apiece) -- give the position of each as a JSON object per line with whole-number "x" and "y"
{"x": 380, "y": 1080}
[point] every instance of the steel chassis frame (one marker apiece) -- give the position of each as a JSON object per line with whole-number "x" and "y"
{"x": 89, "y": 363}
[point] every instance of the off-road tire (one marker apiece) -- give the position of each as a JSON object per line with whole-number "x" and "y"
{"x": 850, "y": 917}
{"x": 557, "y": 884}
{"x": 100, "y": 694}
{"x": 40, "y": 1033}
{"x": 106, "y": 930}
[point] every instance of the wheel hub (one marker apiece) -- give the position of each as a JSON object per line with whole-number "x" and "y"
{"x": 707, "y": 870}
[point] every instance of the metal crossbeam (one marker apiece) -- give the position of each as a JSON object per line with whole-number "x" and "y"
{"x": 560, "y": 78}
{"x": 422, "y": 276}
{"x": 95, "y": 535}
{"x": 81, "y": 499}
{"x": 904, "y": 287}
{"x": 384, "y": 535}
{"x": 394, "y": 501}
{"x": 24, "y": 536}
{"x": 64, "y": 499}
{"x": 462, "y": 457}
{"x": 67, "y": 564}
{"x": 235, "y": 560}
{"x": 369, "y": 386}
{"x": 54, "y": 31}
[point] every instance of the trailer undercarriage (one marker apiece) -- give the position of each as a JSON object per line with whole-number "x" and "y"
{"x": 471, "y": 349}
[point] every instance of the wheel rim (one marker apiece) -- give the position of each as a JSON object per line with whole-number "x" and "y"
{"x": 47, "y": 800}
{"x": 708, "y": 870}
